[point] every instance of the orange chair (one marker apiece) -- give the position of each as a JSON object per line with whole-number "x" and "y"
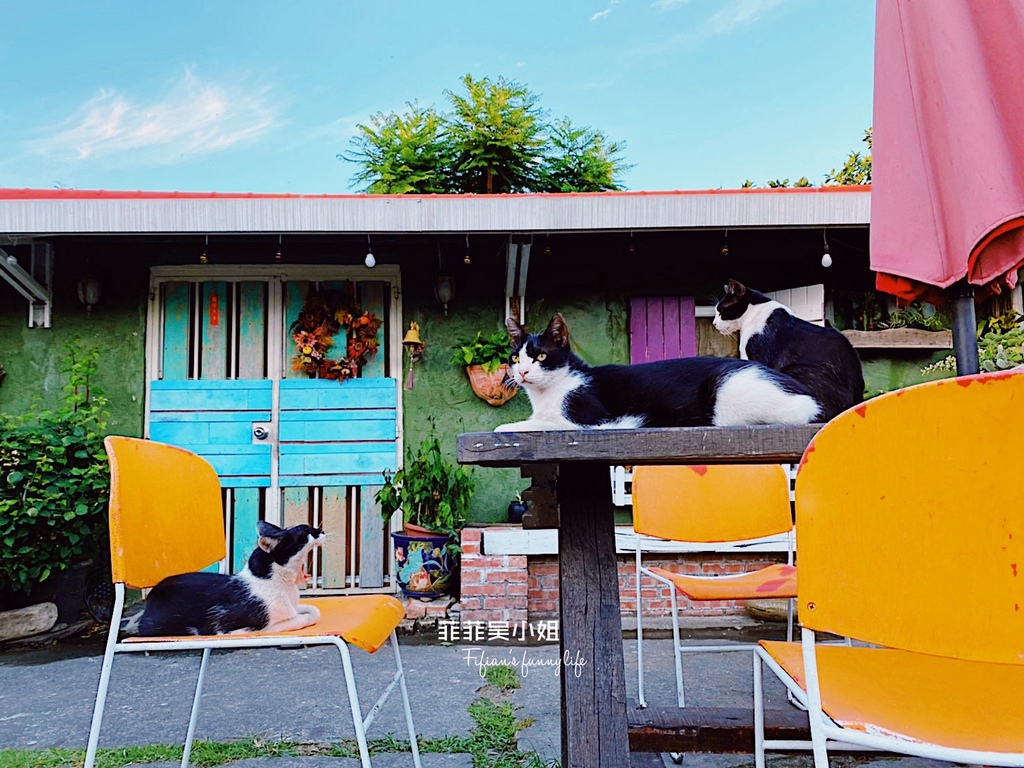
{"x": 166, "y": 518}
{"x": 920, "y": 555}
{"x": 741, "y": 504}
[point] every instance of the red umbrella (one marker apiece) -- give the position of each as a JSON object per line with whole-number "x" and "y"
{"x": 947, "y": 197}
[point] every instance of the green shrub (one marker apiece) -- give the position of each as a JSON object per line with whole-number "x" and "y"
{"x": 54, "y": 482}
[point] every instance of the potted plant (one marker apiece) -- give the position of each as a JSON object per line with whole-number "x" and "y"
{"x": 433, "y": 495}
{"x": 484, "y": 358}
{"x": 54, "y": 486}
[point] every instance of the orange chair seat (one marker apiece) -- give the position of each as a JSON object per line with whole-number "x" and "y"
{"x": 774, "y": 581}
{"x": 365, "y": 621}
{"x": 951, "y": 702}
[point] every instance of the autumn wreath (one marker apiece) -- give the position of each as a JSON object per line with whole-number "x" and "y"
{"x": 323, "y": 316}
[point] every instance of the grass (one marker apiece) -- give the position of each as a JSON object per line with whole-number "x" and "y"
{"x": 492, "y": 741}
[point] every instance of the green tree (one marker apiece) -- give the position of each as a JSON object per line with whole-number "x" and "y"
{"x": 496, "y": 133}
{"x": 405, "y": 153}
{"x": 494, "y": 139}
{"x": 579, "y": 160}
{"x": 856, "y": 170}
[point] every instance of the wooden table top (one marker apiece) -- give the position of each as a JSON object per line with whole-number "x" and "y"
{"x": 677, "y": 445}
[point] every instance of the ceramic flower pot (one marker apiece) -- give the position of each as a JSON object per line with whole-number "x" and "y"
{"x": 493, "y": 388}
{"x": 425, "y": 570}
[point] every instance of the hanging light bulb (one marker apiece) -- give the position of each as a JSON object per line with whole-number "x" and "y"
{"x": 466, "y": 258}
{"x": 826, "y": 257}
{"x": 203, "y": 259}
{"x": 277, "y": 256}
{"x": 369, "y": 261}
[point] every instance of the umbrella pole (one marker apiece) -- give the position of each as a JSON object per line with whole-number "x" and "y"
{"x": 965, "y": 340}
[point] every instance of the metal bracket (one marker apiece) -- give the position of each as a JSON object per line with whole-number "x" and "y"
{"x": 35, "y": 284}
{"x": 517, "y": 264}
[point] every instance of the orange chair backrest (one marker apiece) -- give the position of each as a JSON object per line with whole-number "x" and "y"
{"x": 166, "y": 513}
{"x": 910, "y": 521}
{"x": 711, "y": 503}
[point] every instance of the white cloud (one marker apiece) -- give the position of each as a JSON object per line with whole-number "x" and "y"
{"x": 668, "y": 5}
{"x": 600, "y": 14}
{"x": 737, "y": 14}
{"x": 194, "y": 118}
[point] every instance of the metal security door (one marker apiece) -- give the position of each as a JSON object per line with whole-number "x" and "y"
{"x": 287, "y": 448}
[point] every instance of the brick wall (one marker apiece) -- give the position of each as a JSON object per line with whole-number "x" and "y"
{"x": 494, "y": 588}
{"x": 516, "y": 588}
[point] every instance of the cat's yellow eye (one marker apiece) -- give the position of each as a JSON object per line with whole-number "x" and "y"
{"x": 515, "y": 358}
{"x": 541, "y": 357}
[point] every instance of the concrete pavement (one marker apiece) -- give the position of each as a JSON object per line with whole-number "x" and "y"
{"x": 46, "y": 697}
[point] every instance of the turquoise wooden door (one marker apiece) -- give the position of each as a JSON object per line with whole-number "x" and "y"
{"x": 288, "y": 448}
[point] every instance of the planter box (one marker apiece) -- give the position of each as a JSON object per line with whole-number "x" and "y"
{"x": 900, "y": 338}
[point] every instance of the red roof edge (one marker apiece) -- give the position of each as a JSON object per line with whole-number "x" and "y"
{"x": 103, "y": 194}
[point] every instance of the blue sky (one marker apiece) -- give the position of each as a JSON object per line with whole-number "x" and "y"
{"x": 261, "y": 96}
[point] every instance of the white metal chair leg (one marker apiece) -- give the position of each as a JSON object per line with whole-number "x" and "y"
{"x": 193, "y": 717}
{"x": 353, "y": 701}
{"x": 405, "y": 702}
{"x": 680, "y": 695}
{"x": 759, "y": 756}
{"x": 108, "y": 664}
{"x": 641, "y": 697}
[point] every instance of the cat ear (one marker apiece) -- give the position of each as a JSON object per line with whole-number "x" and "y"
{"x": 267, "y": 543}
{"x": 263, "y": 528}
{"x": 734, "y": 288}
{"x": 558, "y": 331}
{"x": 516, "y": 332}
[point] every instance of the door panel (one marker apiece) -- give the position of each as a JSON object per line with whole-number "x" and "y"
{"x": 222, "y": 366}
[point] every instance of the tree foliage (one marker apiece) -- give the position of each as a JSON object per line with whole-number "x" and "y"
{"x": 495, "y": 138}
{"x": 856, "y": 170}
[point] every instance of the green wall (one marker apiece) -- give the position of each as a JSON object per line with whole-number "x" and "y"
{"x": 32, "y": 356}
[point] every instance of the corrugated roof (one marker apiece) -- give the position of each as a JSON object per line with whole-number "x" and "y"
{"x": 70, "y": 211}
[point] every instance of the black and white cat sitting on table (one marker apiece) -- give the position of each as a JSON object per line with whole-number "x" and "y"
{"x": 820, "y": 358}
{"x": 264, "y": 597}
{"x": 566, "y": 393}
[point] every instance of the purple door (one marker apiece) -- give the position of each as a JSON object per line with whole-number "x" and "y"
{"x": 662, "y": 328}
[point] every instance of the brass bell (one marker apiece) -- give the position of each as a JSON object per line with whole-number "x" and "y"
{"x": 412, "y": 336}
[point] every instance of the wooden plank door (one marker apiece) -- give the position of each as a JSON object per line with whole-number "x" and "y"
{"x": 223, "y": 368}
{"x": 662, "y": 328}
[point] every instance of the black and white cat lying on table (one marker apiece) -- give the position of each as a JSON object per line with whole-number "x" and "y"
{"x": 566, "y": 393}
{"x": 820, "y": 358}
{"x": 264, "y": 597}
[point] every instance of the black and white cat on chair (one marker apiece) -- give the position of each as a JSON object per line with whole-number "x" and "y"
{"x": 566, "y": 393}
{"x": 264, "y": 597}
{"x": 820, "y": 358}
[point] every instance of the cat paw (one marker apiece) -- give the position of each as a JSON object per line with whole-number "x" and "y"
{"x": 310, "y": 610}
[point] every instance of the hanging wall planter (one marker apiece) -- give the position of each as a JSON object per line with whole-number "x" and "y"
{"x": 484, "y": 358}
{"x": 494, "y": 388}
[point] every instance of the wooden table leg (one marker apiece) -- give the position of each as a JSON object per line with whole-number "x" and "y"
{"x": 594, "y": 729}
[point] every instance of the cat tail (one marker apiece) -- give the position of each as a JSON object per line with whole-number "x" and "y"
{"x": 754, "y": 394}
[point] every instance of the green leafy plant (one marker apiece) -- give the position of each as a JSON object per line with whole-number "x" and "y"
{"x": 54, "y": 481}
{"x": 488, "y": 351}
{"x": 914, "y": 316}
{"x": 1000, "y": 345}
{"x": 430, "y": 490}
